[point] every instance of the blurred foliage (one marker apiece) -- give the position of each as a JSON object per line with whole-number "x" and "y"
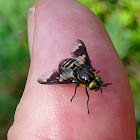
{"x": 14, "y": 58}
{"x": 121, "y": 19}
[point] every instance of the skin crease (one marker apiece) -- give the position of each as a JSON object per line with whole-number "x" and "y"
{"x": 45, "y": 112}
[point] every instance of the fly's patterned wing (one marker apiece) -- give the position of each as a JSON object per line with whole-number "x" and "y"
{"x": 54, "y": 77}
{"x": 79, "y": 52}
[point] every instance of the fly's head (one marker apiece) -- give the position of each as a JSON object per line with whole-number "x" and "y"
{"x": 97, "y": 83}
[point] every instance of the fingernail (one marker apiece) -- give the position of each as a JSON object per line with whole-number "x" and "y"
{"x": 30, "y": 28}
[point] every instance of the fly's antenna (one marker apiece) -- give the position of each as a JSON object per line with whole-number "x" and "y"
{"x": 105, "y": 85}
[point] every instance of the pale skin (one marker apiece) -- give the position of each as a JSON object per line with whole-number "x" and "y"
{"x": 45, "y": 111}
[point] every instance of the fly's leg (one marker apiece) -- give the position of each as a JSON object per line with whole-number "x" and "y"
{"x": 97, "y": 72}
{"x": 101, "y": 90}
{"x": 87, "y": 99}
{"x": 75, "y": 92}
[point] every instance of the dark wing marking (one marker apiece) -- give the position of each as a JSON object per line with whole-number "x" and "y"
{"x": 54, "y": 77}
{"x": 49, "y": 78}
{"x": 79, "y": 52}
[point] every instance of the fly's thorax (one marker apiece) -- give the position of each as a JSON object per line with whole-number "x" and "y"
{"x": 85, "y": 76}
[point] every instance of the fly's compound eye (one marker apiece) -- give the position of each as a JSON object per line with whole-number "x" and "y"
{"x": 92, "y": 86}
{"x": 98, "y": 78}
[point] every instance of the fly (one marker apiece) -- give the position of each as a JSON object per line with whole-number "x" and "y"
{"x": 76, "y": 70}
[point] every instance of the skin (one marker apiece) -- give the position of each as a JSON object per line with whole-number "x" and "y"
{"x": 45, "y": 111}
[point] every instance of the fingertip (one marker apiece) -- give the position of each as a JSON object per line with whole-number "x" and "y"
{"x": 56, "y": 29}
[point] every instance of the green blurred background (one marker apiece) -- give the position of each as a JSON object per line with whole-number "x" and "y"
{"x": 121, "y": 19}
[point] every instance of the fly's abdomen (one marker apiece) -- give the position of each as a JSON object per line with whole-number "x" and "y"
{"x": 67, "y": 67}
{"x": 68, "y": 63}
